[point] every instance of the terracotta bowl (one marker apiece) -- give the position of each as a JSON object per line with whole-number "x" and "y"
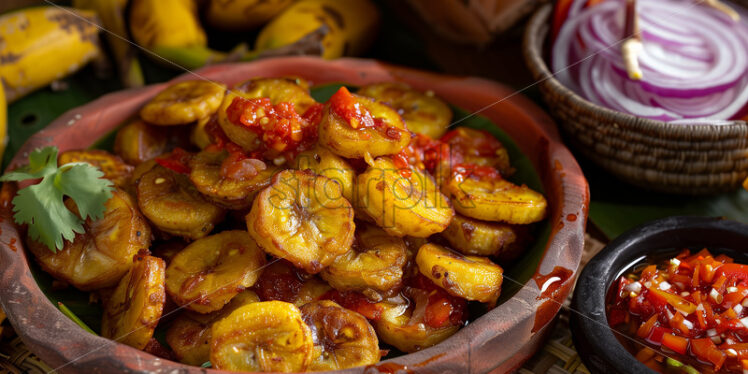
{"x": 499, "y": 341}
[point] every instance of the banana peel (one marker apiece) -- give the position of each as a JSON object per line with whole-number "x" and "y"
{"x": 351, "y": 26}
{"x": 111, "y": 13}
{"x": 43, "y": 44}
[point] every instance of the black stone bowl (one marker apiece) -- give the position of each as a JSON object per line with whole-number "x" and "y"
{"x": 597, "y": 346}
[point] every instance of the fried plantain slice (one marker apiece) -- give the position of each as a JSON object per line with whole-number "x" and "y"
{"x": 100, "y": 256}
{"x": 355, "y": 126}
{"x": 419, "y": 318}
{"x": 495, "y": 199}
{"x": 279, "y": 90}
{"x": 477, "y": 147}
{"x": 281, "y": 281}
{"x": 342, "y": 338}
{"x": 190, "y": 333}
{"x": 373, "y": 265}
{"x": 302, "y": 217}
{"x": 468, "y": 277}
{"x": 402, "y": 201}
{"x": 424, "y": 113}
{"x": 482, "y": 238}
{"x": 208, "y": 273}
{"x": 230, "y": 183}
{"x": 113, "y": 167}
{"x": 137, "y": 142}
{"x": 199, "y": 135}
{"x": 173, "y": 204}
{"x": 264, "y": 336}
{"x": 132, "y": 312}
{"x": 183, "y": 103}
{"x": 327, "y": 164}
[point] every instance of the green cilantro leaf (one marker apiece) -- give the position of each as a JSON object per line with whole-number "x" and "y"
{"x": 87, "y": 196}
{"x": 42, "y": 162}
{"x": 41, "y": 205}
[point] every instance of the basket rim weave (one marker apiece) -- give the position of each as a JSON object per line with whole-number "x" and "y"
{"x": 535, "y": 36}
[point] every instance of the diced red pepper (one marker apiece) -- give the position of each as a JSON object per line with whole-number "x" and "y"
{"x": 734, "y": 298}
{"x": 736, "y": 273}
{"x": 677, "y": 323}
{"x": 279, "y": 126}
{"x": 675, "y": 301}
{"x": 437, "y": 312}
{"x": 723, "y": 259}
{"x": 708, "y": 314}
{"x": 345, "y": 105}
{"x": 695, "y": 280}
{"x": 657, "y": 333}
{"x": 178, "y": 160}
{"x": 617, "y": 317}
{"x": 678, "y": 344}
{"x": 649, "y": 273}
{"x": 646, "y": 328}
{"x": 719, "y": 284}
{"x": 356, "y": 302}
{"x": 476, "y": 171}
{"x": 705, "y": 350}
{"x": 313, "y": 114}
{"x": 401, "y": 162}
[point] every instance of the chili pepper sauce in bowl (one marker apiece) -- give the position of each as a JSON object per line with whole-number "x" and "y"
{"x": 666, "y": 297}
{"x": 685, "y": 312}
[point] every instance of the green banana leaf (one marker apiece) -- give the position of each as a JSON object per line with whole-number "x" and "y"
{"x": 617, "y": 206}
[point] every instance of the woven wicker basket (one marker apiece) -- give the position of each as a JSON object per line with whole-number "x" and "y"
{"x": 684, "y": 159}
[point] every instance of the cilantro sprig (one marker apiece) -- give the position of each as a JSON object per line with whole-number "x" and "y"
{"x": 41, "y": 205}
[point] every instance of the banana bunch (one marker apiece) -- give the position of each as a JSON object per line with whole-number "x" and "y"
{"x": 42, "y": 44}
{"x": 111, "y": 14}
{"x": 171, "y": 29}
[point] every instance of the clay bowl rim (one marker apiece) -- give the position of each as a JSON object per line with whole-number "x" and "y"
{"x": 524, "y": 317}
{"x": 596, "y": 343}
{"x": 538, "y": 28}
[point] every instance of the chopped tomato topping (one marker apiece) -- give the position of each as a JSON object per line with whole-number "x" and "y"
{"x": 345, "y": 105}
{"x": 178, "y": 160}
{"x": 476, "y": 171}
{"x": 280, "y": 127}
{"x": 356, "y": 302}
{"x": 401, "y": 162}
{"x": 313, "y": 114}
{"x": 437, "y": 304}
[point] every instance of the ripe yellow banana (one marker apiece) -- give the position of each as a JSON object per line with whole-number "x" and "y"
{"x": 43, "y": 44}
{"x": 168, "y": 23}
{"x": 349, "y": 26}
{"x": 171, "y": 29}
{"x": 241, "y": 15}
{"x": 111, "y": 14}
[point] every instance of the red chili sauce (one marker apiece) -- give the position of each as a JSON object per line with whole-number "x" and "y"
{"x": 684, "y": 314}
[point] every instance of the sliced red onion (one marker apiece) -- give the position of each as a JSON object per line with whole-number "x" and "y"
{"x": 695, "y": 60}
